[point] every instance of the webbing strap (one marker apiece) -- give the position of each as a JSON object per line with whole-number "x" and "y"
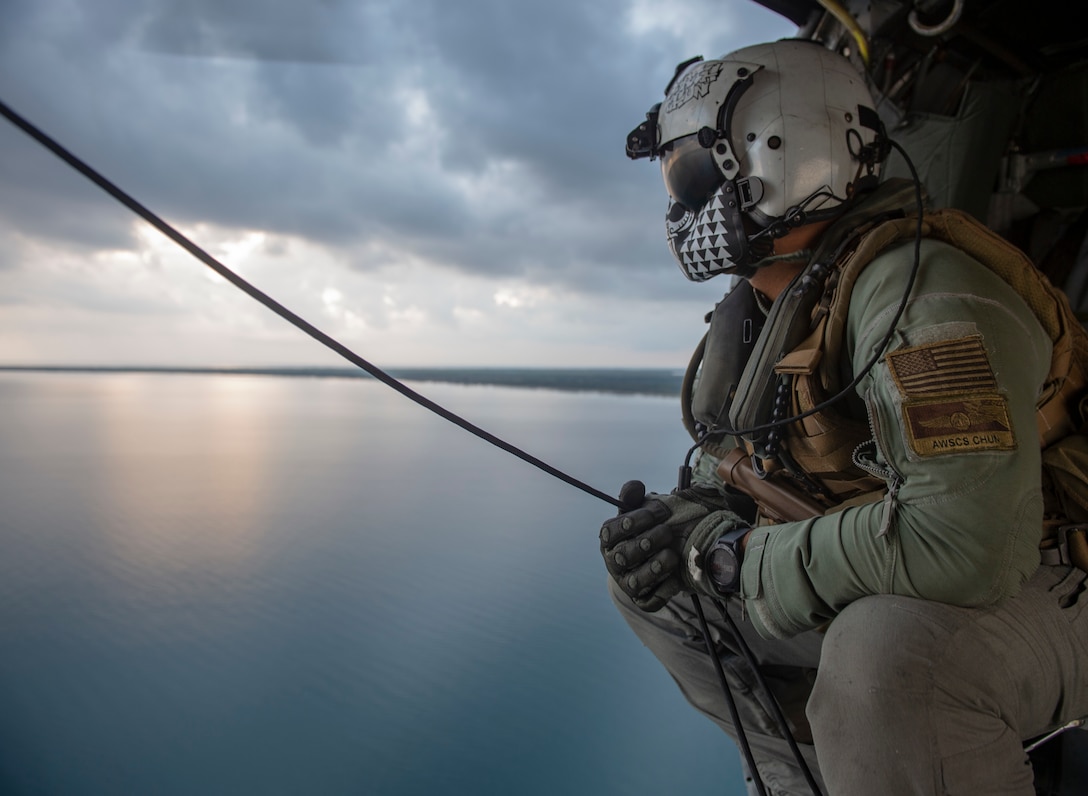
{"x": 1069, "y": 547}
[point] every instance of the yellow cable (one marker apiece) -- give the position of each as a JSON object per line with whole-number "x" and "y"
{"x": 840, "y": 13}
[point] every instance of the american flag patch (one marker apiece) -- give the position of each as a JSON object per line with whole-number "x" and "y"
{"x": 949, "y": 367}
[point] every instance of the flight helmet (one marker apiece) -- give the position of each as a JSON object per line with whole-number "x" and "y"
{"x": 754, "y": 144}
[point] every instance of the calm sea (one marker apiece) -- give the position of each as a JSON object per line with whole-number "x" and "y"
{"x": 230, "y": 584}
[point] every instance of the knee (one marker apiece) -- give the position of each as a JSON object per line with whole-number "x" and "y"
{"x": 876, "y": 643}
{"x": 903, "y": 695}
{"x": 876, "y": 662}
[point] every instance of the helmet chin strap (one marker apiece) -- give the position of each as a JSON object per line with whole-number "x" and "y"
{"x": 799, "y": 216}
{"x": 796, "y": 256}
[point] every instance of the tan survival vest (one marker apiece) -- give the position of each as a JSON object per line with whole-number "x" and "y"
{"x": 822, "y": 445}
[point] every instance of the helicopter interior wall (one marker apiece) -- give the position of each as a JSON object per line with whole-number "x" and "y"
{"x": 957, "y": 154}
{"x": 1055, "y": 234}
{"x": 1057, "y": 118}
{"x": 964, "y": 137}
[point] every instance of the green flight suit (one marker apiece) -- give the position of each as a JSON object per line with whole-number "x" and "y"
{"x": 948, "y": 644}
{"x": 964, "y": 523}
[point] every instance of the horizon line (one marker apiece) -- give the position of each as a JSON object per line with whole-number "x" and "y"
{"x": 627, "y": 381}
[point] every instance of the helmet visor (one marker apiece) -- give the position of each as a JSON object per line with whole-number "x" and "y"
{"x": 690, "y": 175}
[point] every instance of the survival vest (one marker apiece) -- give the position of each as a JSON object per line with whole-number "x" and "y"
{"x": 823, "y": 448}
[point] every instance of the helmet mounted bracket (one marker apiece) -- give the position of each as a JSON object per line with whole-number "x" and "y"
{"x": 642, "y": 141}
{"x": 724, "y": 153}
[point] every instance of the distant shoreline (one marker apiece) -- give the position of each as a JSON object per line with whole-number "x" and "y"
{"x": 625, "y": 381}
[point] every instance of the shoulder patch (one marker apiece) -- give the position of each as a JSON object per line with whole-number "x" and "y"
{"x": 958, "y": 424}
{"x": 957, "y": 366}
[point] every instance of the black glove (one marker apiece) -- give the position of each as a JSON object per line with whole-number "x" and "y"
{"x": 654, "y": 549}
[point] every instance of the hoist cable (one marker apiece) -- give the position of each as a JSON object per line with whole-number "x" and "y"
{"x": 295, "y": 320}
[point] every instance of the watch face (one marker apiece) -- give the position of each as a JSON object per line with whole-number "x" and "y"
{"x": 722, "y": 566}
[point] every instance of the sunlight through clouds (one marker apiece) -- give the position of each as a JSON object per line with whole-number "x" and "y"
{"x": 523, "y": 296}
{"x": 426, "y": 181}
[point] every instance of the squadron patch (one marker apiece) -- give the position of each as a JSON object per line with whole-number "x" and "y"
{"x": 951, "y": 403}
{"x": 693, "y": 84}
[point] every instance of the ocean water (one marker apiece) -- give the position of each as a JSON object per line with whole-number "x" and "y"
{"x": 238, "y": 584}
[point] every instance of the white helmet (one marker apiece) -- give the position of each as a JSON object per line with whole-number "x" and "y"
{"x": 754, "y": 144}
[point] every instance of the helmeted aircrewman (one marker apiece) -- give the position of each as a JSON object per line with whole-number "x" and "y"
{"x": 887, "y": 385}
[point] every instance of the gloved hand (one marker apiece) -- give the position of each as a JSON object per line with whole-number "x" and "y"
{"x": 654, "y": 550}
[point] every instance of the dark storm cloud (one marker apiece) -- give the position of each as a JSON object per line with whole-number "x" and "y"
{"x": 351, "y": 122}
{"x": 323, "y": 32}
{"x": 42, "y": 199}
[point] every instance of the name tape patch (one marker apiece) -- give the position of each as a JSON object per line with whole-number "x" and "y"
{"x": 959, "y": 424}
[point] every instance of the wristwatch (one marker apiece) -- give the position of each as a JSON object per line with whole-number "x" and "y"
{"x": 722, "y": 562}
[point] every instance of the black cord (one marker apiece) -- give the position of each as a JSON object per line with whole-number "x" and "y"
{"x": 318, "y": 335}
{"x": 779, "y": 716}
{"x": 734, "y": 714}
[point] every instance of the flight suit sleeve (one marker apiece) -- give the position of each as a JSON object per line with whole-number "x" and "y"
{"x": 952, "y": 408}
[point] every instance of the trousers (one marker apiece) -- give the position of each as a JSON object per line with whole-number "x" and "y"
{"x": 899, "y": 696}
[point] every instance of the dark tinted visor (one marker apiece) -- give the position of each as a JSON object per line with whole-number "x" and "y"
{"x": 689, "y": 172}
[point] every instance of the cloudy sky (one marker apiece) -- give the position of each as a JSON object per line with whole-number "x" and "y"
{"x": 433, "y": 182}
